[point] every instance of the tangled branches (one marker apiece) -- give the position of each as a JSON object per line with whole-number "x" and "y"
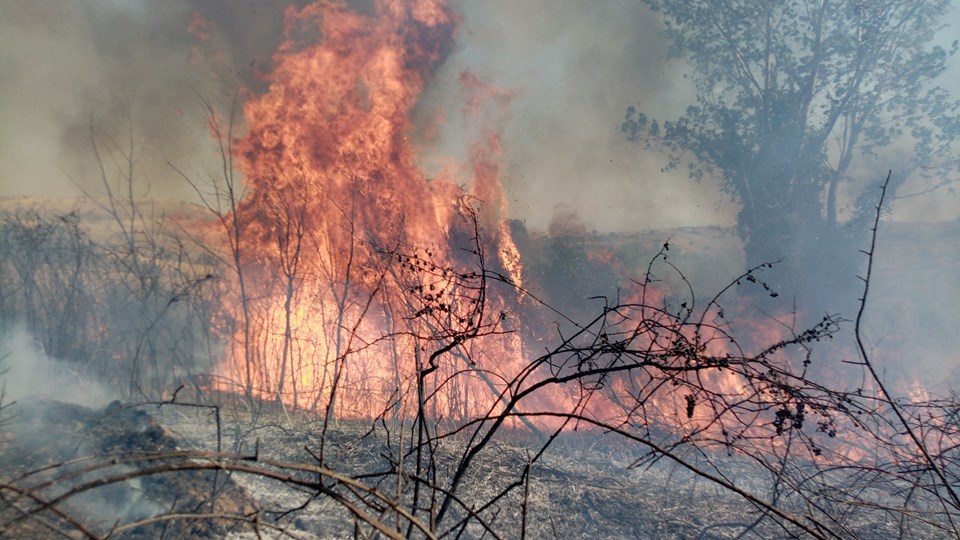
{"x": 760, "y": 411}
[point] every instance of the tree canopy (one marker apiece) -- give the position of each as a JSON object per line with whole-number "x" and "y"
{"x": 791, "y": 94}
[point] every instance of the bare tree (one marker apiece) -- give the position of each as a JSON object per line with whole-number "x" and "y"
{"x": 221, "y": 192}
{"x": 152, "y": 275}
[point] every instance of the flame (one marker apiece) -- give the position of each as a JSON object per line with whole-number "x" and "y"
{"x": 334, "y": 198}
{"x": 344, "y": 237}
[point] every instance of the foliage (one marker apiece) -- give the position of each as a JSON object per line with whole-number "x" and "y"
{"x": 44, "y": 278}
{"x": 790, "y": 95}
{"x": 564, "y": 271}
{"x": 4, "y": 402}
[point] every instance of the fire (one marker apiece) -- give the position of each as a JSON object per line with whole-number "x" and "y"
{"x": 360, "y": 274}
{"x": 343, "y": 234}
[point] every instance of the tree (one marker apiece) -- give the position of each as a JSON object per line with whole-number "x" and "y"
{"x": 153, "y": 287}
{"x": 220, "y": 193}
{"x": 790, "y": 96}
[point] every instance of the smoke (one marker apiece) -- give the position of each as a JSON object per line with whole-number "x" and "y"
{"x": 119, "y": 67}
{"x": 566, "y": 222}
{"x": 45, "y": 401}
{"x": 574, "y": 68}
{"x": 27, "y": 373}
{"x": 111, "y": 66}
{"x": 571, "y": 69}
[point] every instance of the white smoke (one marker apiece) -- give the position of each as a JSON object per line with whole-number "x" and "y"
{"x": 27, "y": 373}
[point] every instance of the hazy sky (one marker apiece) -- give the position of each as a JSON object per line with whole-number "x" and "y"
{"x": 574, "y": 67}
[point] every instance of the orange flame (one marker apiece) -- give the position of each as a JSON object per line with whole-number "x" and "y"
{"x": 344, "y": 237}
{"x": 332, "y": 189}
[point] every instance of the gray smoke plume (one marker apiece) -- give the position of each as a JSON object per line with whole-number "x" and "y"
{"x": 573, "y": 67}
{"x": 114, "y": 66}
{"x": 119, "y": 68}
{"x": 28, "y": 374}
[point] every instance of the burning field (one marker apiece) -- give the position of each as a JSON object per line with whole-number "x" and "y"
{"x": 331, "y": 341}
{"x": 340, "y": 236}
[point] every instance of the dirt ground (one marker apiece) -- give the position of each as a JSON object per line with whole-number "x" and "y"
{"x": 582, "y": 487}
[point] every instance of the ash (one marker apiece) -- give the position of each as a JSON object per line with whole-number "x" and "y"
{"x": 90, "y": 460}
{"x": 582, "y": 488}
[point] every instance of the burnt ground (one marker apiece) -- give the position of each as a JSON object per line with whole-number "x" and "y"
{"x": 583, "y": 487}
{"x": 51, "y": 448}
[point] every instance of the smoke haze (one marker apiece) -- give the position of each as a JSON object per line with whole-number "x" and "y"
{"x": 72, "y": 68}
{"x": 26, "y": 372}
{"x": 573, "y": 68}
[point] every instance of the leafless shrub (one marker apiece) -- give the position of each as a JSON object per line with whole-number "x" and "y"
{"x": 663, "y": 375}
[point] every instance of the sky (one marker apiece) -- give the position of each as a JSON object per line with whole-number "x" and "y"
{"x": 68, "y": 69}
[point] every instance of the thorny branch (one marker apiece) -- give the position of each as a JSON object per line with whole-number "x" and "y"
{"x": 667, "y": 378}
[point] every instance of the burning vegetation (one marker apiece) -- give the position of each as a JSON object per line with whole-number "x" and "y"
{"x": 421, "y": 365}
{"x": 340, "y": 237}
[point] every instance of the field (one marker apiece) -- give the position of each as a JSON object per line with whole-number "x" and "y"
{"x": 204, "y": 461}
